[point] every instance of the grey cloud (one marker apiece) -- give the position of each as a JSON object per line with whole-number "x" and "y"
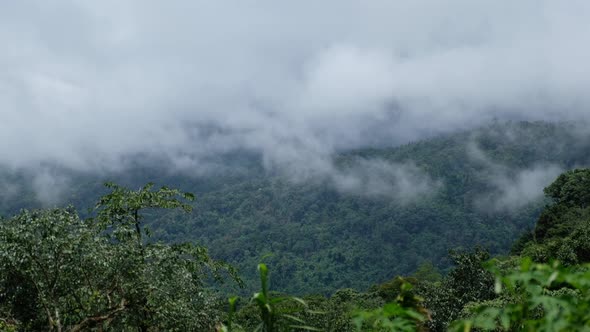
{"x": 510, "y": 188}
{"x": 403, "y": 182}
{"x": 49, "y": 187}
{"x": 524, "y": 187}
{"x": 85, "y": 85}
{"x": 9, "y": 189}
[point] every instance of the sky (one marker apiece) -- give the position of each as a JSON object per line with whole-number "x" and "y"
{"x": 89, "y": 85}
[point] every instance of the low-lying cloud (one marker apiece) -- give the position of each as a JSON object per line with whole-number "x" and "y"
{"x": 89, "y": 85}
{"x": 403, "y": 182}
{"x": 49, "y": 187}
{"x": 524, "y": 187}
{"x": 511, "y": 188}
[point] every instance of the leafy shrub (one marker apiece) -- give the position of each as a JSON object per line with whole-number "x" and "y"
{"x": 539, "y": 297}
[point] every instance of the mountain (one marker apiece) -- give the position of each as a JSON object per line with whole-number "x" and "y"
{"x": 379, "y": 212}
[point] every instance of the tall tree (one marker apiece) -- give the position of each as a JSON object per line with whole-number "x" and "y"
{"x": 61, "y": 273}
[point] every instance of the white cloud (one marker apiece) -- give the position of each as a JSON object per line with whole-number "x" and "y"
{"x": 524, "y": 187}
{"x": 49, "y": 187}
{"x": 86, "y": 85}
{"x": 403, "y": 182}
{"x": 511, "y": 188}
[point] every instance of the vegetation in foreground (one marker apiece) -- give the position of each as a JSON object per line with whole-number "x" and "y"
{"x": 59, "y": 272}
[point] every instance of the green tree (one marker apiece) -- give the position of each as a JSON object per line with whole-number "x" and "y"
{"x": 404, "y": 314}
{"x": 570, "y": 193}
{"x": 536, "y": 297}
{"x": 571, "y": 188}
{"x": 61, "y": 273}
{"x": 121, "y": 208}
{"x": 468, "y": 281}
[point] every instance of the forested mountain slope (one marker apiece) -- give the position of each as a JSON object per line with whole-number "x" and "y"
{"x": 479, "y": 187}
{"x": 322, "y": 239}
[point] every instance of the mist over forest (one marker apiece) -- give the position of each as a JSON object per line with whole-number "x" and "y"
{"x": 386, "y": 161}
{"x": 97, "y": 86}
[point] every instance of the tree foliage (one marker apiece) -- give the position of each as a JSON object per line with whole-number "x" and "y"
{"x": 61, "y": 273}
{"x": 536, "y": 297}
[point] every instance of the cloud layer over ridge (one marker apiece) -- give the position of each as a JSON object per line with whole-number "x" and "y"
{"x": 85, "y": 85}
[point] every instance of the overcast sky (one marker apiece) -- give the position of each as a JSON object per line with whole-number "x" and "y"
{"x": 86, "y": 84}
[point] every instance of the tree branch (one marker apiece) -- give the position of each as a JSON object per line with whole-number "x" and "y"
{"x": 100, "y": 318}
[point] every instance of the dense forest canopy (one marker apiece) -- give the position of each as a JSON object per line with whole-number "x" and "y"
{"x": 364, "y": 223}
{"x": 59, "y": 272}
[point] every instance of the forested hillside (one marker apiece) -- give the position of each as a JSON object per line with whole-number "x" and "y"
{"x": 481, "y": 187}
{"x": 60, "y": 272}
{"x": 321, "y": 239}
